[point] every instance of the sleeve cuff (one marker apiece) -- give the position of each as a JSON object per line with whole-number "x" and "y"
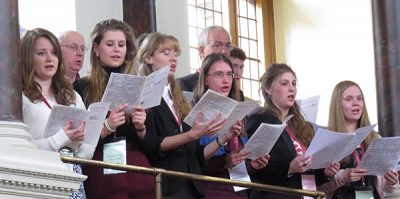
{"x": 58, "y": 140}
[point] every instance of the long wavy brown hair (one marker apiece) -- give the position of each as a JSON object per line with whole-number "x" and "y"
{"x": 152, "y": 43}
{"x": 302, "y": 130}
{"x": 98, "y": 76}
{"x": 336, "y": 121}
{"x": 60, "y": 85}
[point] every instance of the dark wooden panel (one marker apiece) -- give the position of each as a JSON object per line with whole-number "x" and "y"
{"x": 10, "y": 72}
{"x": 141, "y": 15}
{"x": 387, "y": 64}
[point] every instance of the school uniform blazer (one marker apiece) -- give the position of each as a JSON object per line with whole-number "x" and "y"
{"x": 160, "y": 123}
{"x": 282, "y": 153}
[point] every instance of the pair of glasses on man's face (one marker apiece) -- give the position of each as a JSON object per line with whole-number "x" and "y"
{"x": 221, "y": 75}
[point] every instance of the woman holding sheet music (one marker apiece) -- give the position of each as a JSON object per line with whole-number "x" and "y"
{"x": 216, "y": 74}
{"x": 44, "y": 84}
{"x": 288, "y": 165}
{"x": 172, "y": 144}
{"x": 347, "y": 114}
{"x": 113, "y": 50}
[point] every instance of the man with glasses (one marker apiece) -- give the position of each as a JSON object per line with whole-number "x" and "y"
{"x": 73, "y": 52}
{"x": 213, "y": 39}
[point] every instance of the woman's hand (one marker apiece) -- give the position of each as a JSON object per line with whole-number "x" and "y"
{"x": 138, "y": 117}
{"x": 299, "y": 164}
{"x": 234, "y": 158}
{"x": 354, "y": 174}
{"x": 260, "y": 162}
{"x": 391, "y": 177}
{"x": 332, "y": 169}
{"x": 117, "y": 116}
{"x": 201, "y": 128}
{"x": 75, "y": 134}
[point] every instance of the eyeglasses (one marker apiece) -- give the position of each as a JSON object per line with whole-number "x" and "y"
{"x": 221, "y": 75}
{"x": 75, "y": 47}
{"x": 220, "y": 46}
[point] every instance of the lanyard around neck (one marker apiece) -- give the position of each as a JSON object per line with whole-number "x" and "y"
{"x": 47, "y": 102}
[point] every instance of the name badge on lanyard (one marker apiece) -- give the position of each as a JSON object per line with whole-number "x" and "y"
{"x": 308, "y": 183}
{"x": 364, "y": 194}
{"x": 115, "y": 152}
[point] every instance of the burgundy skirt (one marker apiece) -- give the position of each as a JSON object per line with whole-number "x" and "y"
{"x": 119, "y": 186}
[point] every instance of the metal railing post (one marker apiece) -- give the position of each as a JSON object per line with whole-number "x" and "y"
{"x": 158, "y": 186}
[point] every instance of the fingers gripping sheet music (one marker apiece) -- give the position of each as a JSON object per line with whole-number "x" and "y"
{"x": 60, "y": 115}
{"x": 136, "y": 90}
{"x": 382, "y": 155}
{"x": 264, "y": 138}
{"x": 213, "y": 103}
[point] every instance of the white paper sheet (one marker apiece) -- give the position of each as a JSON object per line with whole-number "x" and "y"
{"x": 382, "y": 155}
{"x": 328, "y": 146}
{"x": 212, "y": 103}
{"x": 60, "y": 115}
{"x": 264, "y": 138}
{"x": 239, "y": 172}
{"x": 309, "y": 107}
{"x": 135, "y": 90}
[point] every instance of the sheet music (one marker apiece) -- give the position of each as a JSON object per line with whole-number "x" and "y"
{"x": 237, "y": 114}
{"x": 135, "y": 90}
{"x": 154, "y": 87}
{"x": 382, "y": 155}
{"x": 309, "y": 107}
{"x": 123, "y": 88}
{"x": 263, "y": 139}
{"x": 210, "y": 104}
{"x": 325, "y": 147}
{"x": 239, "y": 172}
{"x": 94, "y": 123}
{"x": 359, "y": 135}
{"x": 328, "y": 146}
{"x": 60, "y": 115}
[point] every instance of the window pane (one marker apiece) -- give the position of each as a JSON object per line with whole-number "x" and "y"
{"x": 209, "y": 4}
{"x": 254, "y": 69}
{"x": 200, "y": 18}
{"x": 253, "y": 49}
{"x": 246, "y": 87}
{"x": 194, "y": 58}
{"x": 192, "y": 15}
{"x": 255, "y": 87}
{"x": 192, "y": 2}
{"x": 242, "y": 8}
{"x": 218, "y": 19}
{"x": 252, "y": 26}
{"x": 193, "y": 37}
{"x": 251, "y": 10}
{"x": 217, "y": 5}
{"x": 209, "y": 18}
{"x": 243, "y": 27}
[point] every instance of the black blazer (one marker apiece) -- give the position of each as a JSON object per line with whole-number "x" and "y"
{"x": 160, "y": 123}
{"x": 282, "y": 153}
{"x": 188, "y": 82}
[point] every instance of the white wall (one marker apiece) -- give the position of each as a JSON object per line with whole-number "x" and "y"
{"x": 326, "y": 42}
{"x": 172, "y": 19}
{"x": 90, "y": 12}
{"x": 60, "y": 15}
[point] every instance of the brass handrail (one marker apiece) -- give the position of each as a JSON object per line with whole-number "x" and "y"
{"x": 158, "y": 172}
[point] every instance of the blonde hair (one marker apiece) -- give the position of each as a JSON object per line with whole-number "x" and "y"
{"x": 60, "y": 85}
{"x": 336, "y": 121}
{"x": 152, "y": 43}
{"x": 98, "y": 76}
{"x": 302, "y": 130}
